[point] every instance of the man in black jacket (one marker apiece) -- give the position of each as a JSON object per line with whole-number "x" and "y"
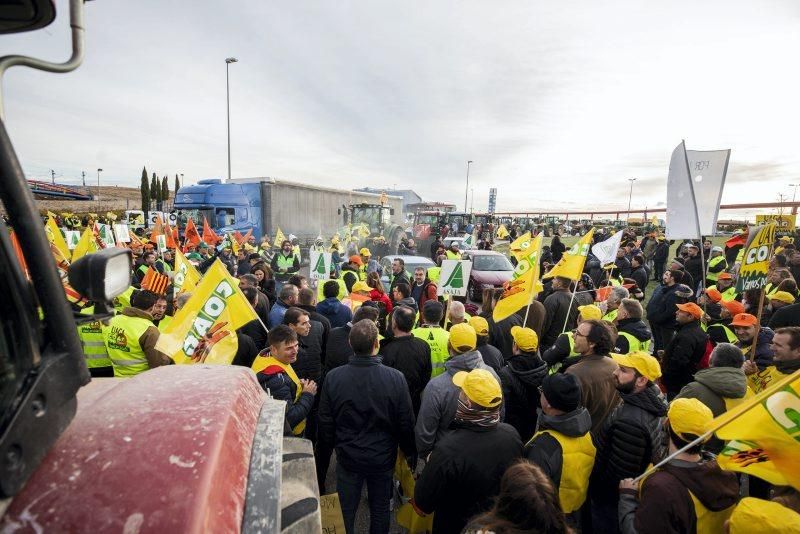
{"x": 408, "y": 354}
{"x": 366, "y": 413}
{"x": 491, "y": 355}
{"x": 661, "y": 309}
{"x": 520, "y": 380}
{"x": 338, "y": 350}
{"x": 306, "y": 300}
{"x": 660, "y": 258}
{"x": 694, "y": 266}
{"x": 631, "y": 438}
{"x": 560, "y": 310}
{"x": 632, "y": 334}
{"x": 639, "y": 273}
{"x": 684, "y": 352}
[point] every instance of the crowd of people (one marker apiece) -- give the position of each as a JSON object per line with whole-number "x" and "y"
{"x": 541, "y": 422}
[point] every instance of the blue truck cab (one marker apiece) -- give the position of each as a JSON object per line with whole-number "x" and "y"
{"x": 227, "y": 207}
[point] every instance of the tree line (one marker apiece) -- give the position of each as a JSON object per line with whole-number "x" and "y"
{"x": 155, "y": 191}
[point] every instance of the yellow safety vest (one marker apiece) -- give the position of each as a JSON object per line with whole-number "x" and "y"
{"x": 124, "y": 299}
{"x": 434, "y": 273}
{"x": 285, "y": 262}
{"x": 452, "y": 255}
{"x": 94, "y": 349}
{"x": 164, "y": 323}
{"x": 713, "y": 263}
{"x": 610, "y": 316}
{"x": 121, "y": 337}
{"x": 727, "y": 295}
{"x": 635, "y": 344}
{"x": 342, "y": 289}
{"x": 761, "y": 381}
{"x": 578, "y": 455}
{"x": 362, "y": 273}
{"x": 437, "y": 338}
{"x": 262, "y": 362}
{"x": 730, "y": 336}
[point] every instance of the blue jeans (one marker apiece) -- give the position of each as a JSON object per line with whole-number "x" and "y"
{"x": 379, "y": 492}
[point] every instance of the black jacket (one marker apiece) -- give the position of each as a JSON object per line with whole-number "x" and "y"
{"x": 310, "y": 356}
{"x": 365, "y": 413}
{"x": 661, "y": 308}
{"x": 520, "y": 380}
{"x": 256, "y": 332}
{"x": 694, "y": 266}
{"x": 275, "y": 381}
{"x": 246, "y": 350}
{"x": 634, "y": 327}
{"x": 556, "y": 306}
{"x": 662, "y": 252}
{"x": 545, "y": 451}
{"x": 463, "y": 474}
{"x": 492, "y": 356}
{"x": 624, "y": 266}
{"x": 338, "y": 350}
{"x": 641, "y": 276}
{"x": 681, "y": 357}
{"x": 412, "y": 357}
{"x": 500, "y": 333}
{"x": 314, "y": 315}
{"x": 631, "y": 438}
{"x": 786, "y": 316}
{"x": 401, "y": 278}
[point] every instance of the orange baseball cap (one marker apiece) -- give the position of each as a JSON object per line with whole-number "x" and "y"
{"x": 691, "y": 308}
{"x": 733, "y": 306}
{"x": 725, "y": 276}
{"x": 714, "y": 294}
{"x": 356, "y": 260}
{"x": 744, "y": 319}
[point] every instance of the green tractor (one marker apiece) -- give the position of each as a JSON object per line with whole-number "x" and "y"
{"x": 372, "y": 227}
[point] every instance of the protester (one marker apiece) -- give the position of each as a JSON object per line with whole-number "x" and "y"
{"x": 613, "y": 299}
{"x": 338, "y": 350}
{"x": 661, "y": 309}
{"x": 332, "y": 308}
{"x": 716, "y": 266}
{"x": 564, "y": 347}
{"x": 455, "y": 314}
{"x": 499, "y": 331}
{"x": 434, "y": 335}
{"x": 365, "y": 413}
{"x": 401, "y": 295}
{"x": 785, "y": 360}
{"x": 286, "y": 299}
{"x": 465, "y": 468}
{"x": 285, "y": 263}
{"x": 561, "y": 315}
{"x": 520, "y": 380}
{"x": 263, "y": 307}
{"x": 639, "y": 273}
{"x": 747, "y": 330}
{"x": 408, "y": 354}
{"x": 632, "y": 333}
{"x": 399, "y": 275}
{"x": 491, "y": 355}
{"x": 660, "y": 256}
{"x": 251, "y": 338}
{"x": 351, "y": 271}
{"x": 685, "y": 351}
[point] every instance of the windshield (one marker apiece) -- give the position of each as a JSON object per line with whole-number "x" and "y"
{"x": 197, "y": 216}
{"x": 370, "y": 216}
{"x": 428, "y": 219}
{"x": 491, "y": 263}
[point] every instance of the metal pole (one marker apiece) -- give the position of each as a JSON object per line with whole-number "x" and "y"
{"x": 794, "y": 195}
{"x": 466, "y": 190}
{"x": 98, "y": 190}
{"x": 630, "y": 195}
{"x": 228, "y": 61}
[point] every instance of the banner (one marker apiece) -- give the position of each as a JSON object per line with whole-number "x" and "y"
{"x": 320, "y": 265}
{"x": 519, "y": 292}
{"x": 519, "y": 247}
{"x": 331, "y": 514}
{"x": 279, "y": 238}
{"x": 86, "y": 245}
{"x": 783, "y": 222}
{"x": 455, "y": 274}
{"x": 54, "y": 235}
{"x": 706, "y": 175}
{"x": 571, "y": 263}
{"x": 122, "y": 233}
{"x": 204, "y": 329}
{"x": 106, "y": 234}
{"x": 186, "y": 275}
{"x": 606, "y": 251}
{"x": 73, "y": 238}
{"x": 533, "y": 251}
{"x": 161, "y": 241}
{"x": 755, "y": 261}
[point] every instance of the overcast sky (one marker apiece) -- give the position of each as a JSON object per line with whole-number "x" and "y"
{"x": 557, "y": 103}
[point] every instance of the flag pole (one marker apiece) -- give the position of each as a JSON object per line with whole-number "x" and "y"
{"x": 569, "y": 308}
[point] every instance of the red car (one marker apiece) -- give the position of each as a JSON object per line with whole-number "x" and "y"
{"x": 489, "y": 269}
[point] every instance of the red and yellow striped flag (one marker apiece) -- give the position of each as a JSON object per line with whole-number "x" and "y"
{"x": 155, "y": 282}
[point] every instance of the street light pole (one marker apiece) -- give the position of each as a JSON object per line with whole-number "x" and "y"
{"x": 98, "y": 190}
{"x": 794, "y": 195}
{"x": 466, "y": 191}
{"x": 228, "y": 62}
{"x": 472, "y": 203}
{"x": 630, "y": 196}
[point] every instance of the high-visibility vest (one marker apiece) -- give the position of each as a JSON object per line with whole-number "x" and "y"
{"x": 635, "y": 344}
{"x": 727, "y": 295}
{"x": 164, "y": 323}
{"x": 729, "y": 335}
{"x": 733, "y": 403}
{"x": 342, "y": 289}
{"x": 285, "y": 262}
{"x": 452, "y": 255}
{"x": 262, "y": 362}
{"x": 758, "y": 382}
{"x": 437, "y": 338}
{"x": 713, "y": 263}
{"x": 143, "y": 268}
{"x": 610, "y": 316}
{"x": 578, "y": 454}
{"x": 165, "y": 265}
{"x": 362, "y": 273}
{"x": 121, "y": 338}
{"x": 123, "y": 300}
{"x": 91, "y": 336}
{"x": 434, "y": 273}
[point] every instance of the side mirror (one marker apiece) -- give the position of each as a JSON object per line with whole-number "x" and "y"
{"x": 103, "y": 275}
{"x": 26, "y": 15}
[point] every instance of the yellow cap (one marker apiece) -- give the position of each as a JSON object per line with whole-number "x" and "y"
{"x": 463, "y": 337}
{"x": 480, "y": 387}
{"x": 689, "y": 417}
{"x": 757, "y": 516}
{"x": 646, "y": 365}
{"x": 782, "y": 296}
{"x": 590, "y": 312}
{"x": 525, "y": 338}
{"x": 480, "y": 325}
{"x": 365, "y": 252}
{"x": 360, "y": 286}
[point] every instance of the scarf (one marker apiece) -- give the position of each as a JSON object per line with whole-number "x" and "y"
{"x": 787, "y": 367}
{"x": 474, "y": 415}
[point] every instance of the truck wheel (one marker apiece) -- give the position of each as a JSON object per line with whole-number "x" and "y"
{"x": 300, "y": 511}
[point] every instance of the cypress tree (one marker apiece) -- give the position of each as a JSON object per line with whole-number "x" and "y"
{"x": 177, "y": 185}
{"x": 155, "y": 190}
{"x": 164, "y": 189}
{"x": 144, "y": 189}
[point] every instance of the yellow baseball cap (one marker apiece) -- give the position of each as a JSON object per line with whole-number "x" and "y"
{"x": 463, "y": 337}
{"x": 360, "y": 286}
{"x": 689, "y": 417}
{"x": 757, "y": 516}
{"x": 590, "y": 312}
{"x": 365, "y": 252}
{"x": 782, "y": 296}
{"x": 645, "y": 365}
{"x": 480, "y": 325}
{"x": 525, "y": 338}
{"x": 480, "y": 386}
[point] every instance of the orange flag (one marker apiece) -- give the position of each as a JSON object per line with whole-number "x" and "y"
{"x": 244, "y": 237}
{"x": 20, "y": 255}
{"x": 208, "y": 234}
{"x": 190, "y": 234}
{"x": 238, "y": 236}
{"x": 171, "y": 241}
{"x": 158, "y": 229}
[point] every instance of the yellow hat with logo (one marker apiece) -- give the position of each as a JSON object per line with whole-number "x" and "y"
{"x": 590, "y": 312}
{"x": 480, "y": 325}
{"x": 782, "y": 296}
{"x": 360, "y": 286}
{"x": 365, "y": 252}
{"x": 645, "y": 364}
{"x": 463, "y": 337}
{"x": 480, "y": 387}
{"x": 757, "y": 516}
{"x": 689, "y": 417}
{"x": 525, "y": 338}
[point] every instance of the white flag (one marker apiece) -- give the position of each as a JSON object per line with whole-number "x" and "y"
{"x": 706, "y": 173}
{"x": 606, "y": 251}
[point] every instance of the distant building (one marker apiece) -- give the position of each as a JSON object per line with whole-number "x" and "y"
{"x": 409, "y": 196}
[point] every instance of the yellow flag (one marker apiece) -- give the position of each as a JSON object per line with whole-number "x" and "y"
{"x": 755, "y": 260}
{"x": 520, "y": 246}
{"x": 186, "y": 275}
{"x": 204, "y": 329}
{"x": 572, "y": 262}
{"x": 234, "y": 244}
{"x": 519, "y": 292}
{"x": 279, "y": 237}
{"x": 85, "y": 246}
{"x": 502, "y": 232}
{"x": 363, "y": 231}
{"x": 763, "y": 434}
{"x": 54, "y": 235}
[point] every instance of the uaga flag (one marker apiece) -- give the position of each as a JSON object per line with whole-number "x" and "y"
{"x": 763, "y": 434}
{"x": 186, "y": 275}
{"x": 755, "y": 261}
{"x": 519, "y": 292}
{"x": 204, "y": 330}
{"x": 571, "y": 263}
{"x": 705, "y": 173}
{"x": 520, "y": 247}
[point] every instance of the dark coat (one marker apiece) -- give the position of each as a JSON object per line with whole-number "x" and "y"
{"x": 661, "y": 308}
{"x": 636, "y": 328}
{"x": 694, "y": 266}
{"x": 786, "y": 316}
{"x": 682, "y": 356}
{"x": 662, "y": 252}
{"x": 492, "y": 356}
{"x": 500, "y": 332}
{"x": 763, "y": 356}
{"x": 545, "y": 450}
{"x": 365, "y": 413}
{"x": 310, "y": 357}
{"x": 641, "y": 276}
{"x": 412, "y": 357}
{"x": 520, "y": 380}
{"x": 275, "y": 381}
{"x": 338, "y": 350}
{"x": 557, "y": 305}
{"x": 337, "y": 313}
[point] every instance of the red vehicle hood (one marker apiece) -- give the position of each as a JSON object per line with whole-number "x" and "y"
{"x": 165, "y": 451}
{"x": 495, "y": 278}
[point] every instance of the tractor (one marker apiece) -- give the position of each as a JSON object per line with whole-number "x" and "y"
{"x": 372, "y": 227}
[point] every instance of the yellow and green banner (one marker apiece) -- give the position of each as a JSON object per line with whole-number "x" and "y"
{"x": 755, "y": 259}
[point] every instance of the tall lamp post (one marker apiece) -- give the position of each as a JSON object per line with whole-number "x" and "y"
{"x": 228, "y": 62}
{"x": 466, "y": 191}
{"x": 630, "y": 195}
{"x": 794, "y": 195}
{"x": 98, "y": 189}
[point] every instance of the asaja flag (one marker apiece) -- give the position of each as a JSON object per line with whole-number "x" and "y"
{"x": 279, "y": 237}
{"x": 469, "y": 242}
{"x": 520, "y": 247}
{"x": 186, "y": 275}
{"x": 54, "y": 234}
{"x": 321, "y": 265}
{"x": 455, "y": 278}
{"x": 106, "y": 235}
{"x": 502, "y": 232}
{"x": 73, "y": 237}
{"x": 606, "y": 251}
{"x": 204, "y": 329}
{"x": 520, "y": 291}
{"x": 571, "y": 263}
{"x": 86, "y": 245}
{"x": 755, "y": 261}
{"x": 763, "y": 434}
